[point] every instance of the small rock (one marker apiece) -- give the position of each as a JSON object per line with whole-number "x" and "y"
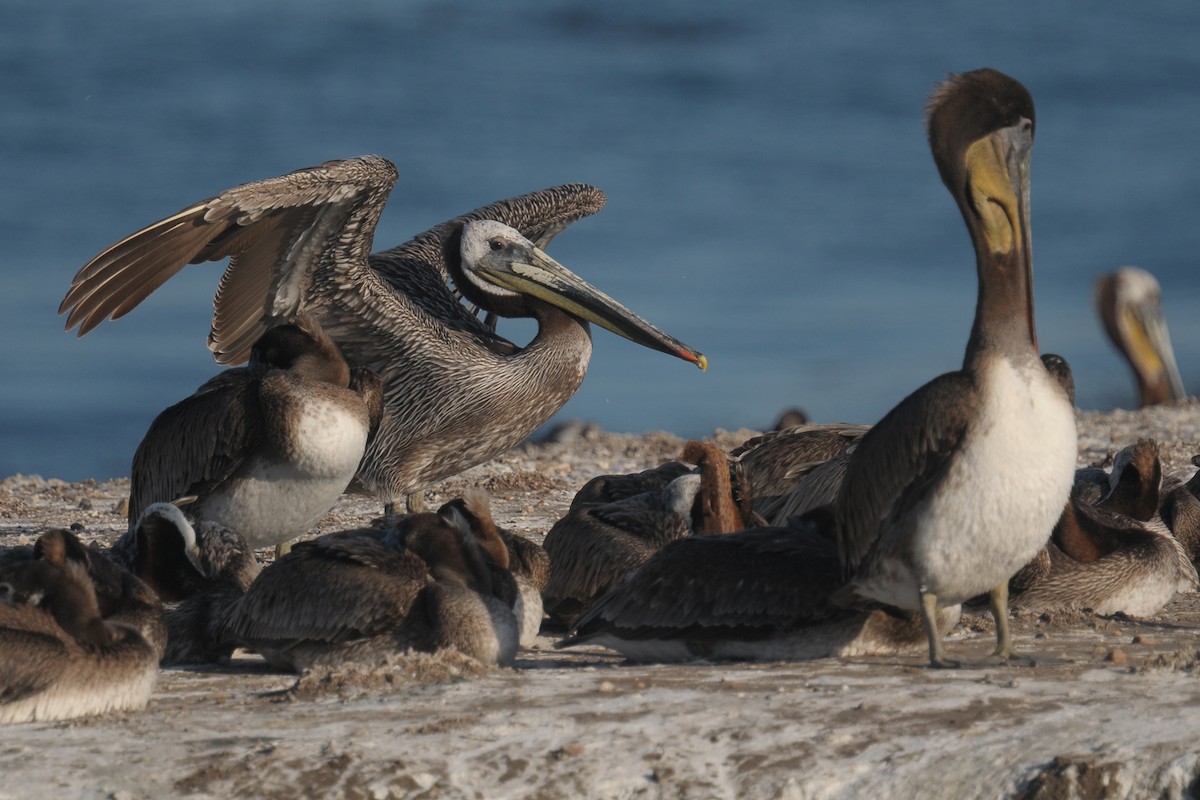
{"x": 1117, "y": 657}
{"x": 1143, "y": 640}
{"x": 606, "y": 686}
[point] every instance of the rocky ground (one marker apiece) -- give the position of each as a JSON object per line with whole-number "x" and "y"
{"x": 1111, "y": 708}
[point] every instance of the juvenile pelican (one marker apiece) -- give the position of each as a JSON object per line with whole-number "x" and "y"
{"x": 958, "y": 487}
{"x": 361, "y": 595}
{"x": 1129, "y": 301}
{"x": 456, "y": 394}
{"x": 59, "y": 658}
{"x": 759, "y": 594}
{"x": 199, "y": 567}
{"x": 268, "y": 449}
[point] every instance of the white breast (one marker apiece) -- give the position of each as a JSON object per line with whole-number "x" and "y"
{"x": 275, "y": 500}
{"x": 1005, "y": 489}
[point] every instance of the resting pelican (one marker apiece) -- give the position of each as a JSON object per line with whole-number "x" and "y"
{"x": 1129, "y": 301}
{"x": 456, "y": 393}
{"x": 959, "y": 486}
{"x": 423, "y": 584}
{"x": 59, "y": 658}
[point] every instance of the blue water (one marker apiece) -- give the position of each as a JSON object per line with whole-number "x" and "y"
{"x": 771, "y": 196}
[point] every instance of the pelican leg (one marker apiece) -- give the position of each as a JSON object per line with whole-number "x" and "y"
{"x": 415, "y": 503}
{"x": 998, "y": 602}
{"x": 929, "y": 617}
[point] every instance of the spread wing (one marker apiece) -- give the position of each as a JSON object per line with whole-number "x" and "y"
{"x": 756, "y": 581}
{"x": 897, "y": 461}
{"x": 333, "y": 589}
{"x": 278, "y": 232}
{"x": 196, "y": 444}
{"x": 301, "y": 242}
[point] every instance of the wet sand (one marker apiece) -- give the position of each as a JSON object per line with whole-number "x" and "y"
{"x": 1111, "y": 708}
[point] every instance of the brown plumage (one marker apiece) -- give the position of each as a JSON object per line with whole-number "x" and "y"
{"x": 59, "y": 658}
{"x": 760, "y": 594}
{"x": 1110, "y": 551}
{"x": 362, "y": 595}
{"x": 456, "y": 393}
{"x": 790, "y": 471}
{"x": 199, "y": 568}
{"x": 595, "y": 546}
{"x": 523, "y": 558}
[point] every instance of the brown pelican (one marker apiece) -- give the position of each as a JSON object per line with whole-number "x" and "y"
{"x": 958, "y": 487}
{"x": 423, "y": 584}
{"x": 759, "y": 594}
{"x": 199, "y": 567}
{"x": 456, "y": 394}
{"x": 59, "y": 658}
{"x": 525, "y": 559}
{"x": 1129, "y": 301}
{"x": 267, "y": 449}
{"x": 1110, "y": 551}
{"x": 597, "y": 545}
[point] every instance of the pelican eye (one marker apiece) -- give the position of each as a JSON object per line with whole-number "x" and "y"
{"x": 496, "y": 245}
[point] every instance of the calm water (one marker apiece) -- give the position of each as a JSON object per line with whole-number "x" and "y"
{"x": 771, "y": 196}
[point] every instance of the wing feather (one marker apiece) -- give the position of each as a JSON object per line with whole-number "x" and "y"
{"x": 897, "y": 460}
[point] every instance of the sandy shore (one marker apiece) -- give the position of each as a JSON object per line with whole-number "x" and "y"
{"x": 1111, "y": 709}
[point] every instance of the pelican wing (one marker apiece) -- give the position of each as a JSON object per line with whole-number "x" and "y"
{"x": 776, "y": 460}
{"x": 761, "y": 580}
{"x": 334, "y": 589}
{"x": 196, "y": 444}
{"x": 896, "y": 460}
{"x": 594, "y": 548}
{"x": 278, "y": 232}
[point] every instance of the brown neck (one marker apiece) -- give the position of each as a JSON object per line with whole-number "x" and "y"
{"x": 1078, "y": 535}
{"x": 1004, "y": 307}
{"x": 714, "y": 510}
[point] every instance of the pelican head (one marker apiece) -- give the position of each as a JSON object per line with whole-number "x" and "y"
{"x": 1129, "y": 303}
{"x": 501, "y": 269}
{"x": 981, "y": 129}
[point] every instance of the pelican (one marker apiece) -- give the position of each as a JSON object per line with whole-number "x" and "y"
{"x": 456, "y": 393}
{"x": 59, "y": 658}
{"x": 1111, "y": 551}
{"x": 758, "y": 594}
{"x": 1129, "y": 301}
{"x": 265, "y": 450}
{"x": 362, "y": 595}
{"x": 959, "y": 485}
{"x": 200, "y": 567}
{"x": 524, "y": 558}
{"x": 596, "y": 546}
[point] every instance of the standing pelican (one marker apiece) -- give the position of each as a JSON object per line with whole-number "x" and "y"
{"x": 960, "y": 484}
{"x": 456, "y": 393}
{"x": 1129, "y": 301}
